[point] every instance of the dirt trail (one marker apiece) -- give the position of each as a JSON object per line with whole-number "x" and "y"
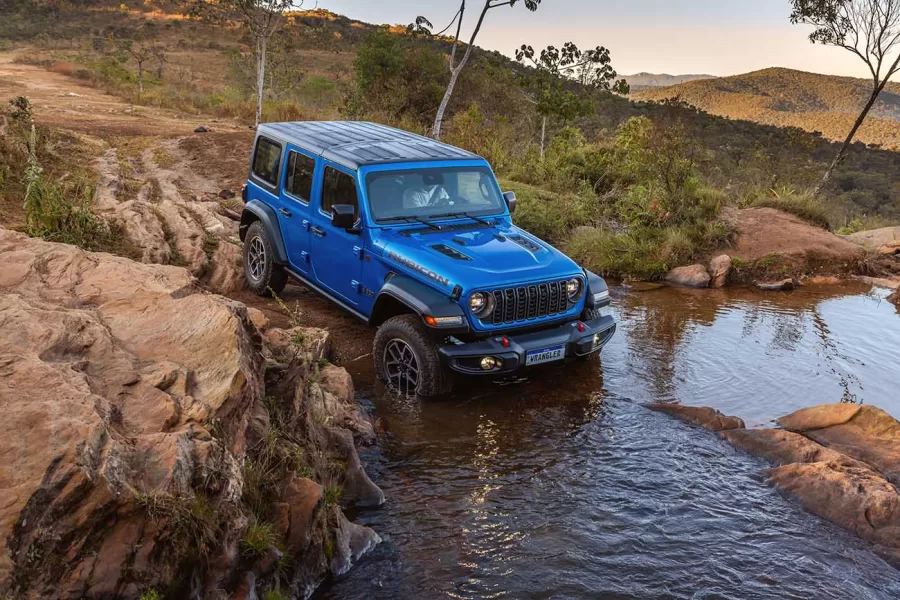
{"x": 173, "y": 214}
{"x": 63, "y": 101}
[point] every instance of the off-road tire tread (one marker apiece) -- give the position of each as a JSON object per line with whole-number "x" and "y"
{"x": 274, "y": 277}
{"x": 589, "y": 314}
{"x": 434, "y": 378}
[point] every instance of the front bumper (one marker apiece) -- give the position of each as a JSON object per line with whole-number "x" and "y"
{"x": 466, "y": 358}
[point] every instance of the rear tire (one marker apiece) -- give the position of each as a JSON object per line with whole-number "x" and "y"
{"x": 406, "y": 358}
{"x": 264, "y": 277}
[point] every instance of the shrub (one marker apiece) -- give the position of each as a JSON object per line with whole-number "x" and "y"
{"x": 656, "y": 162}
{"x": 645, "y": 252}
{"x": 549, "y": 215}
{"x": 62, "y": 214}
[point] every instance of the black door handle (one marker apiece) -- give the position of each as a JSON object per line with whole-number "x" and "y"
{"x": 285, "y": 212}
{"x": 318, "y": 231}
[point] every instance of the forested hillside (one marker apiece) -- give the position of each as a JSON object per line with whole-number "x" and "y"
{"x": 785, "y": 97}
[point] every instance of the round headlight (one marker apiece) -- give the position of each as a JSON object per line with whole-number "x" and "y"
{"x": 478, "y": 302}
{"x": 573, "y": 288}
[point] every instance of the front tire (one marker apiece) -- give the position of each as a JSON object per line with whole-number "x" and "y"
{"x": 264, "y": 277}
{"x": 406, "y": 358}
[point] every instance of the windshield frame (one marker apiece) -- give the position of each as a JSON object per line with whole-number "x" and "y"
{"x": 417, "y": 167}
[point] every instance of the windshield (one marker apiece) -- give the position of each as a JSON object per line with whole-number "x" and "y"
{"x": 426, "y": 193}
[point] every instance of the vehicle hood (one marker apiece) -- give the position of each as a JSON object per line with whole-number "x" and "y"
{"x": 478, "y": 257}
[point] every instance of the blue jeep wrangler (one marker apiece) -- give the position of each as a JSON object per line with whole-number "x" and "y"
{"x": 414, "y": 237}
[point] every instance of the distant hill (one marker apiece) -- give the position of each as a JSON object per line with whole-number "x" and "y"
{"x": 643, "y": 81}
{"x": 785, "y": 97}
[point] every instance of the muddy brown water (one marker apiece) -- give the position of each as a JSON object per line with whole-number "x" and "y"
{"x": 566, "y": 486}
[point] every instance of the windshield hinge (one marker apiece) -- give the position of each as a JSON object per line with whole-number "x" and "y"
{"x": 358, "y": 252}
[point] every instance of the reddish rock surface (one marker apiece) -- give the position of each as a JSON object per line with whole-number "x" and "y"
{"x": 708, "y": 418}
{"x": 842, "y": 461}
{"x": 133, "y": 404}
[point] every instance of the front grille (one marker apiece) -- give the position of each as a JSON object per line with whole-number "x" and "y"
{"x": 528, "y": 302}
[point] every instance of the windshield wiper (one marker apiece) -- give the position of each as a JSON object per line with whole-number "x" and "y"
{"x": 419, "y": 220}
{"x": 462, "y": 214}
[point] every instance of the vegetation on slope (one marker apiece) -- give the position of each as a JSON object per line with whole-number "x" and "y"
{"x": 606, "y": 170}
{"x": 785, "y": 97}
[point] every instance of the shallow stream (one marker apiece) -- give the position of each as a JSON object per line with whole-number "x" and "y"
{"x": 566, "y": 486}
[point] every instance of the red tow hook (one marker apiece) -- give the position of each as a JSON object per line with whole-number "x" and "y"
{"x": 580, "y": 327}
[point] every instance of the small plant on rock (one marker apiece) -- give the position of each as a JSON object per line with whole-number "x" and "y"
{"x": 259, "y": 539}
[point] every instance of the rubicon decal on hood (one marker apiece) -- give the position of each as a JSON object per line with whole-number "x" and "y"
{"x": 419, "y": 268}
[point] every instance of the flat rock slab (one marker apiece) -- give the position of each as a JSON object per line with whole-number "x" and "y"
{"x": 875, "y": 238}
{"x": 867, "y": 434}
{"x": 842, "y": 461}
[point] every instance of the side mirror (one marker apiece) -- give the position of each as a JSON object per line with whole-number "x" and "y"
{"x": 343, "y": 216}
{"x": 510, "y": 198}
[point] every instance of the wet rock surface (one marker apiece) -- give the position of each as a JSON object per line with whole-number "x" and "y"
{"x": 782, "y": 285}
{"x": 842, "y": 461}
{"x": 151, "y": 429}
{"x": 719, "y": 270}
{"x": 708, "y": 418}
{"x": 690, "y": 276}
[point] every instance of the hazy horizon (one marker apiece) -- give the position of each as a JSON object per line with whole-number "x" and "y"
{"x": 652, "y": 36}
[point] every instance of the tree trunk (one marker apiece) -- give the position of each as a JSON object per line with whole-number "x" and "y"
{"x": 543, "y": 135}
{"x": 260, "y": 75}
{"x": 140, "y": 77}
{"x": 842, "y": 153}
{"x": 439, "y": 118}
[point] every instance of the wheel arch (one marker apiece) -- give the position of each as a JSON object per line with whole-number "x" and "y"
{"x": 403, "y": 295}
{"x": 257, "y": 211}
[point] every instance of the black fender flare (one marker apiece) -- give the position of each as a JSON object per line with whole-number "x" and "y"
{"x": 259, "y": 211}
{"x": 595, "y": 285}
{"x": 420, "y": 299}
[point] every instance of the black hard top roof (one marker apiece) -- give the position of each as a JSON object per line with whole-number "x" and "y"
{"x": 357, "y": 143}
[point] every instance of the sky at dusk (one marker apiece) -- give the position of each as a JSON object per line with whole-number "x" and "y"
{"x": 718, "y": 37}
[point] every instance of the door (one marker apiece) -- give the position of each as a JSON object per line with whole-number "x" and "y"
{"x": 294, "y": 210}
{"x": 336, "y": 253}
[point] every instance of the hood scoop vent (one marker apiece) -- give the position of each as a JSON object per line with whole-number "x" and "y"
{"x": 451, "y": 252}
{"x": 524, "y": 242}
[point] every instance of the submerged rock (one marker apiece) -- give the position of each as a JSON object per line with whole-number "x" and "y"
{"x": 784, "y": 285}
{"x": 692, "y": 276}
{"x": 147, "y": 424}
{"x": 842, "y": 461}
{"x": 708, "y": 418}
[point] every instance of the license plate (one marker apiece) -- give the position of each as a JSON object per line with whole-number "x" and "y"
{"x": 545, "y": 355}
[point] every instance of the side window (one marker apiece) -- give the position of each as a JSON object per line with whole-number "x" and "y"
{"x": 338, "y": 188}
{"x": 266, "y": 161}
{"x": 299, "y": 180}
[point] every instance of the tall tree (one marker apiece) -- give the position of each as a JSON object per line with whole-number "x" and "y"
{"x": 423, "y": 25}
{"x": 261, "y": 17}
{"x": 870, "y": 29}
{"x": 554, "y": 68}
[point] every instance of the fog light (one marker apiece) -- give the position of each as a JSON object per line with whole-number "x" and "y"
{"x": 489, "y": 363}
{"x": 596, "y": 339}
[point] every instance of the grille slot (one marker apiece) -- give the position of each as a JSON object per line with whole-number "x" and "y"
{"x": 525, "y": 303}
{"x": 451, "y": 252}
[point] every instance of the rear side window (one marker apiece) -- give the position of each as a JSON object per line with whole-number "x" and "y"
{"x": 338, "y": 188}
{"x": 299, "y": 180}
{"x": 266, "y": 161}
